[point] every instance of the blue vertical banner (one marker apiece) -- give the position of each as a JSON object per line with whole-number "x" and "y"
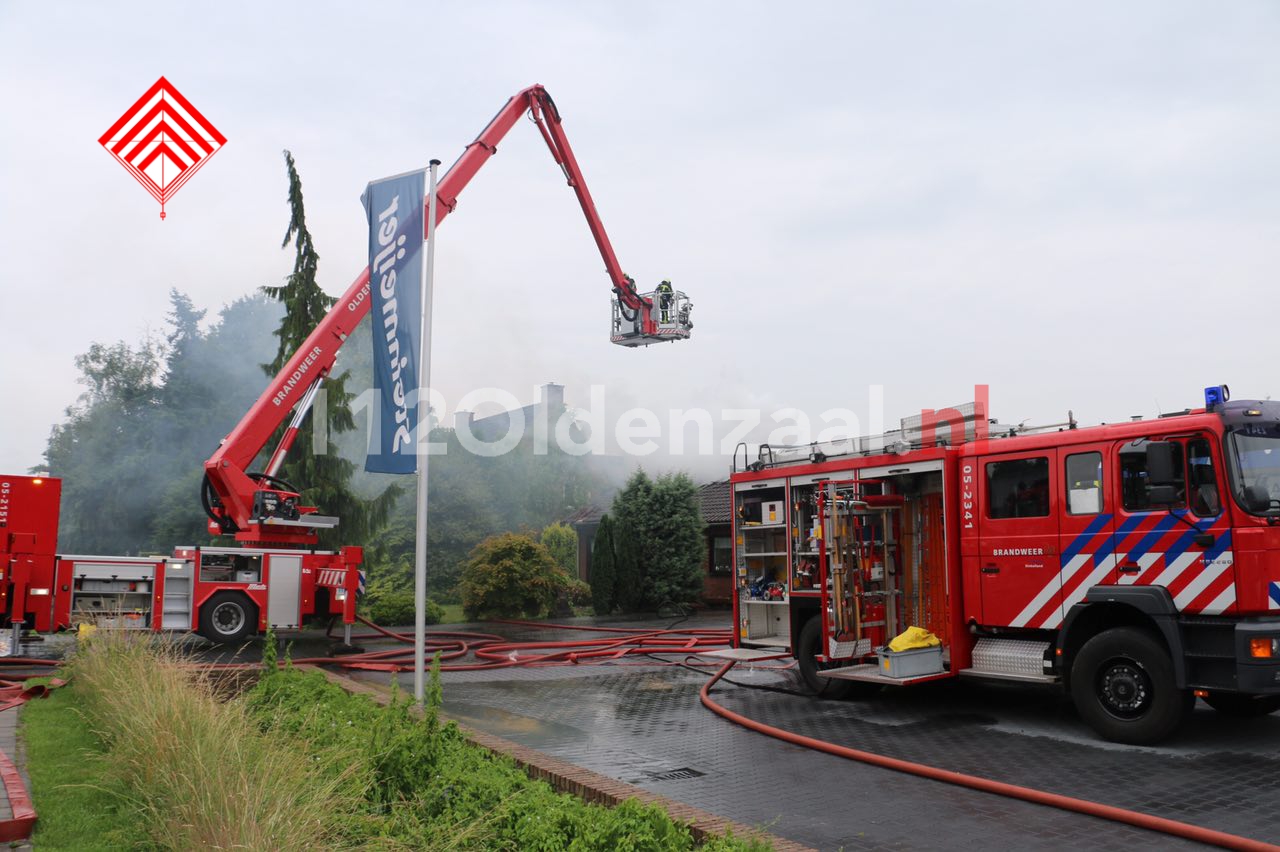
{"x": 394, "y": 207}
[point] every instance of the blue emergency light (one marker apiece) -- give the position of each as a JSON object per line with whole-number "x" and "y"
{"x": 1215, "y": 396}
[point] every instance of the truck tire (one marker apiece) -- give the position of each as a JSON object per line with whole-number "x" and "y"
{"x": 1123, "y": 685}
{"x": 228, "y": 617}
{"x": 1243, "y": 705}
{"x": 807, "y": 648}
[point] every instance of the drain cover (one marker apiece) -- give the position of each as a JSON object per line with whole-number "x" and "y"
{"x": 676, "y": 774}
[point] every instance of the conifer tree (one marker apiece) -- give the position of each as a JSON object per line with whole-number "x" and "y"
{"x": 323, "y": 477}
{"x": 603, "y": 579}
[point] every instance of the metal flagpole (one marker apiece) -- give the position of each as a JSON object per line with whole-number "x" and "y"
{"x": 424, "y": 433}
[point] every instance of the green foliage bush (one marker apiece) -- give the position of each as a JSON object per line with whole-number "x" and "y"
{"x": 510, "y": 576}
{"x": 389, "y": 606}
{"x": 579, "y": 593}
{"x": 561, "y": 542}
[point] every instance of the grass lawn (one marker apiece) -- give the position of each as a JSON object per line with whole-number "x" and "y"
{"x": 453, "y": 614}
{"x": 79, "y": 804}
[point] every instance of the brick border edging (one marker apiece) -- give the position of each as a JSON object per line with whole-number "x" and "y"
{"x": 590, "y": 786}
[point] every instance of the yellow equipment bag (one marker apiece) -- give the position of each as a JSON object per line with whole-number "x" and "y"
{"x": 913, "y": 638}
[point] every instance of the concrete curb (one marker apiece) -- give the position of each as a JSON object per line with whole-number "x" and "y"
{"x": 588, "y": 785}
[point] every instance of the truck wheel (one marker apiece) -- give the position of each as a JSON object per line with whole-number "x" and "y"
{"x": 228, "y": 617}
{"x": 1243, "y": 704}
{"x": 807, "y": 649}
{"x": 1123, "y": 685}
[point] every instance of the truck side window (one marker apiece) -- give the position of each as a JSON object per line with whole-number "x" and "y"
{"x": 1084, "y": 484}
{"x": 1018, "y": 488}
{"x": 1133, "y": 477}
{"x": 1200, "y": 477}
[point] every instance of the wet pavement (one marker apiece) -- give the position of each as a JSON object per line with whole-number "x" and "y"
{"x": 642, "y": 723}
{"x": 645, "y": 725}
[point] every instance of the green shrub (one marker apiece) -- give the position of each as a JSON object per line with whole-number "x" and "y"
{"x": 387, "y": 606}
{"x": 579, "y": 593}
{"x": 561, "y": 542}
{"x": 509, "y": 576}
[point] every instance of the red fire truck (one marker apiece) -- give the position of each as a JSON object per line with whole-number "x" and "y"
{"x": 223, "y": 593}
{"x": 1136, "y": 564}
{"x": 276, "y": 578}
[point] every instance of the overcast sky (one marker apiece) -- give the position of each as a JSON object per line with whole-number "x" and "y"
{"x": 1077, "y": 203}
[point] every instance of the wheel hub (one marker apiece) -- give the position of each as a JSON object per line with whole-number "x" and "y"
{"x": 228, "y": 618}
{"x": 1125, "y": 689}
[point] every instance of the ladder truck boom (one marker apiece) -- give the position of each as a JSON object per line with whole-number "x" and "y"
{"x": 258, "y": 507}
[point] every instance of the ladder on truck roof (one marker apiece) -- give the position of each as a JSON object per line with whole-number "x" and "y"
{"x": 907, "y": 437}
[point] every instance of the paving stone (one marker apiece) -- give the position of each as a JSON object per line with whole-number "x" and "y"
{"x": 638, "y": 723}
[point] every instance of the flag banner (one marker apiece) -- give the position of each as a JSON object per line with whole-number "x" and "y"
{"x": 394, "y": 207}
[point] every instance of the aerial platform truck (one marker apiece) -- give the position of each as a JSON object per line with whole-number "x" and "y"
{"x": 1135, "y": 564}
{"x": 275, "y": 577}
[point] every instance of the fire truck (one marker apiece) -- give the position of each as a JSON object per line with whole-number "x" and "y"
{"x": 275, "y": 577}
{"x": 1135, "y": 564}
{"x": 223, "y": 593}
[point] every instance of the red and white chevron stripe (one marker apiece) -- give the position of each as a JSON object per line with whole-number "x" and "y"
{"x": 162, "y": 140}
{"x": 1197, "y": 587}
{"x": 332, "y": 577}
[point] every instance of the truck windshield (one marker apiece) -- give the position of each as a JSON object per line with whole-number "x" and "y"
{"x": 1255, "y": 467}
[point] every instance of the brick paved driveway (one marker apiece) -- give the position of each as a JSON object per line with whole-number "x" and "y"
{"x": 644, "y": 725}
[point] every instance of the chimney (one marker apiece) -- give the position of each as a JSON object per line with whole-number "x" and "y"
{"x": 551, "y": 396}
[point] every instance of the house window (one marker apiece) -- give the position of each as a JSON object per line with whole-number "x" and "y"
{"x": 722, "y": 554}
{"x": 1018, "y": 488}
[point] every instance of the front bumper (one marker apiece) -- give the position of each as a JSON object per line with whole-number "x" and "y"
{"x": 1254, "y": 674}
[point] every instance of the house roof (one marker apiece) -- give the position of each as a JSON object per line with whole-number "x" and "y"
{"x": 586, "y": 515}
{"x": 714, "y": 502}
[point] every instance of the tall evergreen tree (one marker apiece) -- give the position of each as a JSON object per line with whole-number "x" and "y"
{"x": 603, "y": 576}
{"x": 676, "y": 545}
{"x": 323, "y": 477}
{"x": 632, "y": 517}
{"x": 657, "y": 542}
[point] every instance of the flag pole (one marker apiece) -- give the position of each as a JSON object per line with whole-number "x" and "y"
{"x": 424, "y": 437}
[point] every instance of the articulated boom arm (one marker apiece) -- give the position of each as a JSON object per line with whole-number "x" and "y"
{"x": 256, "y": 507}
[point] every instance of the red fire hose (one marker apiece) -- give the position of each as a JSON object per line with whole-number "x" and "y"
{"x": 986, "y": 785}
{"x": 14, "y": 691}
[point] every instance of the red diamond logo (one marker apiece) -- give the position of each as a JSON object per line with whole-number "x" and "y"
{"x": 162, "y": 140}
